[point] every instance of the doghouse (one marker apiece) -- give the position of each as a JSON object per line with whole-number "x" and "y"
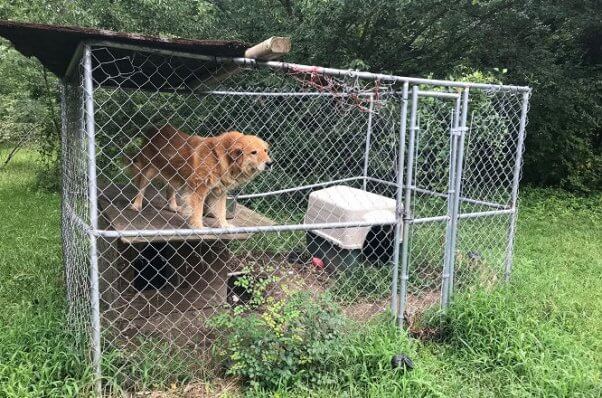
{"x": 347, "y": 247}
{"x": 425, "y": 170}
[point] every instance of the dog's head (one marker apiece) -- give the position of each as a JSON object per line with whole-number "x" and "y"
{"x": 250, "y": 153}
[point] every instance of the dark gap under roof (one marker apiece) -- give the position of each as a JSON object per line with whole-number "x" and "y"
{"x": 55, "y": 45}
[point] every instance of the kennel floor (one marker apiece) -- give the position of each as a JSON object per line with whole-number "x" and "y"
{"x": 114, "y": 203}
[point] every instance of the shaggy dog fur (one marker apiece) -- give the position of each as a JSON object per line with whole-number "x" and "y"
{"x": 206, "y": 168}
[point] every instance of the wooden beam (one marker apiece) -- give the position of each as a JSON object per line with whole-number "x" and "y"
{"x": 268, "y": 50}
{"x": 272, "y": 48}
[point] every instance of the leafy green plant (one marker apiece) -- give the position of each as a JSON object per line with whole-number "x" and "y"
{"x": 256, "y": 281}
{"x": 281, "y": 344}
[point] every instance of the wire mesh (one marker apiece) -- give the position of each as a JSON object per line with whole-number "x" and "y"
{"x": 321, "y": 220}
{"x": 431, "y": 198}
{"x": 491, "y": 149}
{"x": 75, "y": 211}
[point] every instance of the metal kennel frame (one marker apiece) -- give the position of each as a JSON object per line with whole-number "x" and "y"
{"x": 449, "y": 154}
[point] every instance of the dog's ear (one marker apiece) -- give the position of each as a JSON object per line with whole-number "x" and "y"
{"x": 236, "y": 153}
{"x": 234, "y": 149}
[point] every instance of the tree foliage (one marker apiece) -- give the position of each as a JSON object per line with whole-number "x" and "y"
{"x": 553, "y": 46}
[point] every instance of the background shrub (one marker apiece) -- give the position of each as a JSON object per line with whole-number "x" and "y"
{"x": 552, "y": 46}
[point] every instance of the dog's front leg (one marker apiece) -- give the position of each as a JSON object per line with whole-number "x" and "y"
{"x": 170, "y": 193}
{"x": 196, "y": 202}
{"x": 219, "y": 210}
{"x": 210, "y": 204}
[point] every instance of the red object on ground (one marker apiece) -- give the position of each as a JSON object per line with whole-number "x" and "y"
{"x": 317, "y": 262}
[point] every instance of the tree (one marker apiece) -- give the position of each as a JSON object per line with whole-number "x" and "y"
{"x": 553, "y": 46}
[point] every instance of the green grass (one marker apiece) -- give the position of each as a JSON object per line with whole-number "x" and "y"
{"x": 540, "y": 336}
{"x": 36, "y": 358}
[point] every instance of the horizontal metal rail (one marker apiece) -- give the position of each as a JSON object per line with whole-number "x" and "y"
{"x": 285, "y": 93}
{"x": 486, "y": 213}
{"x": 379, "y": 181}
{"x": 439, "y": 94}
{"x": 235, "y": 230}
{"x": 307, "y": 68}
{"x": 462, "y": 198}
{"x": 376, "y": 180}
{"x": 423, "y": 220}
{"x": 436, "y": 94}
{"x": 277, "y": 228}
{"x": 295, "y": 189}
{"x": 310, "y": 186}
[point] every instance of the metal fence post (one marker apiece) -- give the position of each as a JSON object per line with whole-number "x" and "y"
{"x": 407, "y": 212}
{"x": 457, "y": 192}
{"x": 398, "y": 198}
{"x": 368, "y": 138}
{"x": 515, "y": 179}
{"x": 92, "y": 197}
{"x": 450, "y": 205}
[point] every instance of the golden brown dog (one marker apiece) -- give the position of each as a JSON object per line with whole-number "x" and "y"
{"x": 205, "y": 168}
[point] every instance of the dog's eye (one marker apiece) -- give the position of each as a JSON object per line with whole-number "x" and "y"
{"x": 253, "y": 152}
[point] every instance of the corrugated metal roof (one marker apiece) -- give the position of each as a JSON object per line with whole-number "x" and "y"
{"x": 55, "y": 45}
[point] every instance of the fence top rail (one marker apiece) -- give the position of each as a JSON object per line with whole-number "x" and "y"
{"x": 438, "y": 94}
{"x": 300, "y": 68}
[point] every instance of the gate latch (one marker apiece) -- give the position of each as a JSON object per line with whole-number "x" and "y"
{"x": 458, "y": 130}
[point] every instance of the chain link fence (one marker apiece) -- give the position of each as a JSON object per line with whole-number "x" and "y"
{"x": 387, "y": 194}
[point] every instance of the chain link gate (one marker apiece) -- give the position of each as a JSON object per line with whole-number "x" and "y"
{"x": 429, "y": 200}
{"x": 388, "y": 194}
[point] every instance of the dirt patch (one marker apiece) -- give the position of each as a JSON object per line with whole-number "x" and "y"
{"x": 364, "y": 312}
{"x": 190, "y": 337}
{"x": 299, "y": 278}
{"x": 217, "y": 388}
{"x": 417, "y": 304}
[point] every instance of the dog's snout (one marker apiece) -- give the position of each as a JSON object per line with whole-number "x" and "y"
{"x": 268, "y": 165}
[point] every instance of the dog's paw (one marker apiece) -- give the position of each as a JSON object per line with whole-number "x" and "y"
{"x": 136, "y": 207}
{"x": 176, "y": 209}
{"x": 196, "y": 224}
{"x": 185, "y": 210}
{"x": 225, "y": 224}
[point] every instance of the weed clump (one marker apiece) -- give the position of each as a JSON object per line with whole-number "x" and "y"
{"x": 282, "y": 343}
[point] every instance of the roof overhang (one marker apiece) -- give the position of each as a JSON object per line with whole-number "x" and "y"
{"x": 56, "y": 46}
